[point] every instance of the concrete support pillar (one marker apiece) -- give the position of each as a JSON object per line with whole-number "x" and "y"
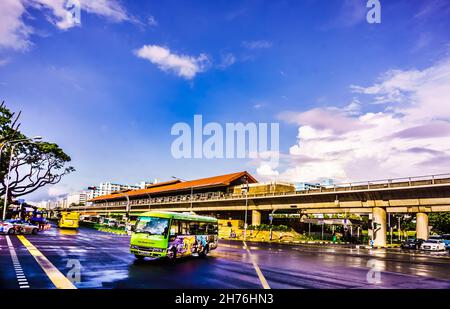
{"x": 256, "y": 217}
{"x": 422, "y": 225}
{"x": 379, "y": 233}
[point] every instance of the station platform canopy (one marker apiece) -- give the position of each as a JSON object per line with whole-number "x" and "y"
{"x": 221, "y": 182}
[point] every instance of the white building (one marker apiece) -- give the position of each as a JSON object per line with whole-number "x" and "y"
{"x": 62, "y": 203}
{"x": 77, "y": 198}
{"x": 42, "y": 204}
{"x": 106, "y": 188}
{"x": 302, "y": 186}
{"x": 83, "y": 197}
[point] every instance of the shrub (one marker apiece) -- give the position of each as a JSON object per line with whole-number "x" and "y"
{"x": 266, "y": 227}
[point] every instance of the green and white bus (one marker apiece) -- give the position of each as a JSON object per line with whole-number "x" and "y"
{"x": 160, "y": 234}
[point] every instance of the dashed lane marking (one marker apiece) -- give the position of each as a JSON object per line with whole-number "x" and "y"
{"x": 21, "y": 278}
{"x": 257, "y": 269}
{"x": 59, "y": 280}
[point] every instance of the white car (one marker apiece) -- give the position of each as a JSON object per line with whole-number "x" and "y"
{"x": 6, "y": 228}
{"x": 17, "y": 226}
{"x": 433, "y": 245}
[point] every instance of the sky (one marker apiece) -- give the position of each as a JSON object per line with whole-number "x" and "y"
{"x": 354, "y": 100}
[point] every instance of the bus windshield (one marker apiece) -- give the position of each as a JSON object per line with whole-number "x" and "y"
{"x": 152, "y": 225}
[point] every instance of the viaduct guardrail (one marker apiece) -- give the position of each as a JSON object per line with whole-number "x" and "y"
{"x": 397, "y": 192}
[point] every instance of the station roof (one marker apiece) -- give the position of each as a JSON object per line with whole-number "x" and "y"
{"x": 177, "y": 185}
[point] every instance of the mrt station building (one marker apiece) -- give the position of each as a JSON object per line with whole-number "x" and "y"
{"x": 178, "y": 195}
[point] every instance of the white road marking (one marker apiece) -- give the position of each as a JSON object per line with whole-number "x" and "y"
{"x": 21, "y": 278}
{"x": 257, "y": 269}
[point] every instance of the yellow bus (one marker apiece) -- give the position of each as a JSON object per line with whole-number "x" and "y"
{"x": 69, "y": 219}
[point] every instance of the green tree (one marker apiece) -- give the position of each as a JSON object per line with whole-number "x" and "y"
{"x": 440, "y": 221}
{"x": 33, "y": 166}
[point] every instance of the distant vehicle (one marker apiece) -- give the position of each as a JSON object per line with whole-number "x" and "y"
{"x": 445, "y": 238}
{"x": 38, "y": 218}
{"x": 412, "y": 243}
{"x": 16, "y": 226}
{"x": 161, "y": 234}
{"x": 112, "y": 222}
{"x": 69, "y": 219}
{"x": 93, "y": 219}
{"x": 433, "y": 245}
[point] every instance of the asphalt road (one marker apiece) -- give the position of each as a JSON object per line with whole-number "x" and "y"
{"x": 105, "y": 262}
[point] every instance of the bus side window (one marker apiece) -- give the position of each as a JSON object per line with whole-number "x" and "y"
{"x": 184, "y": 227}
{"x": 202, "y": 229}
{"x": 174, "y": 228}
{"x": 212, "y": 229}
{"x": 194, "y": 228}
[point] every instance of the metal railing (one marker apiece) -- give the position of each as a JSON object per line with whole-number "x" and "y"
{"x": 341, "y": 187}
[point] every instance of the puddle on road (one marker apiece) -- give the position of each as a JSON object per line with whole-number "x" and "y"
{"x": 100, "y": 278}
{"x": 68, "y": 232}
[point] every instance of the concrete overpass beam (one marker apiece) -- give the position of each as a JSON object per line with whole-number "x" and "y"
{"x": 379, "y": 234}
{"x": 256, "y": 217}
{"x": 422, "y": 225}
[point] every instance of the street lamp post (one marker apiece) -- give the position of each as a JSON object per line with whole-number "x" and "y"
{"x": 246, "y": 208}
{"x": 13, "y": 142}
{"x": 5, "y": 204}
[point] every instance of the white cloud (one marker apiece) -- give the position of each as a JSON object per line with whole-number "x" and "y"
{"x": 59, "y": 15}
{"x": 257, "y": 44}
{"x": 151, "y": 21}
{"x": 349, "y": 14}
{"x": 15, "y": 33}
{"x": 110, "y": 9}
{"x": 58, "y": 190}
{"x": 227, "y": 60}
{"x": 4, "y": 61}
{"x": 182, "y": 65}
{"x": 265, "y": 170}
{"x": 411, "y": 136}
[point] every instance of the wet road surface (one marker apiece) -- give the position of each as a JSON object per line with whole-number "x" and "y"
{"x": 105, "y": 262}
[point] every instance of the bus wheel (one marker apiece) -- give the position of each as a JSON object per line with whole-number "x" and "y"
{"x": 34, "y": 231}
{"x": 204, "y": 252}
{"x": 11, "y": 231}
{"x": 173, "y": 254}
{"x": 139, "y": 257}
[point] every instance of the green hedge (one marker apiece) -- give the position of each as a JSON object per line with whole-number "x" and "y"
{"x": 103, "y": 228}
{"x": 266, "y": 227}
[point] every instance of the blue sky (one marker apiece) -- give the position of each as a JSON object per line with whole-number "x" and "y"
{"x": 316, "y": 67}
